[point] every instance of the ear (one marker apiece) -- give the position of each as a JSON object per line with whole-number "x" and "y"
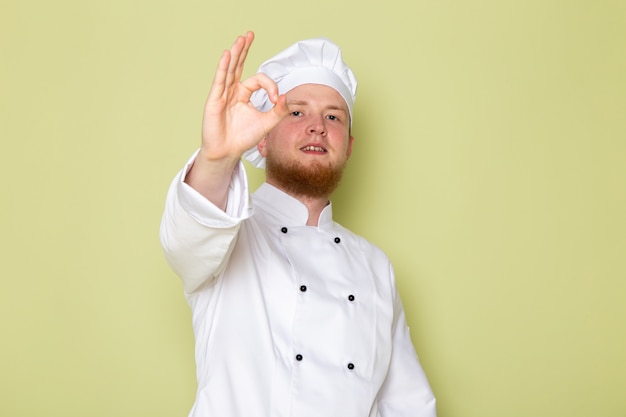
{"x": 350, "y": 141}
{"x": 262, "y": 147}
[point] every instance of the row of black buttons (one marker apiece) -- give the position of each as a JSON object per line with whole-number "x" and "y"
{"x": 285, "y": 230}
{"x": 350, "y": 366}
{"x": 303, "y": 288}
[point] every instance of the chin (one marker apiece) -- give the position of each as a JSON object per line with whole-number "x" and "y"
{"x": 315, "y": 180}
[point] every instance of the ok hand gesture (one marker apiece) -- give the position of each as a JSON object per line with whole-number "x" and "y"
{"x": 231, "y": 124}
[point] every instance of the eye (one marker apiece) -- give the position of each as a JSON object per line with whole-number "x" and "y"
{"x": 296, "y": 113}
{"x": 332, "y": 117}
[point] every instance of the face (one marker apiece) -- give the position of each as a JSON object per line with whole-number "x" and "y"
{"x": 308, "y": 150}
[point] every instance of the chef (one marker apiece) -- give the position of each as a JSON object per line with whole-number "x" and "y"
{"x": 293, "y": 314}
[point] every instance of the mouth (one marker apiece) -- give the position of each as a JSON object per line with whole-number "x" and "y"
{"x": 312, "y": 148}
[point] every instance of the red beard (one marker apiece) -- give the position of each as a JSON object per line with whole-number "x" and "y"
{"x": 314, "y": 181}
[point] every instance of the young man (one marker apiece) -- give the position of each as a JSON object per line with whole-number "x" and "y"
{"x": 293, "y": 314}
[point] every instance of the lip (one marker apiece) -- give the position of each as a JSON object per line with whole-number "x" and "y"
{"x": 314, "y": 148}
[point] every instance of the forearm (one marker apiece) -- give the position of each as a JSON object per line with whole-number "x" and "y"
{"x": 211, "y": 177}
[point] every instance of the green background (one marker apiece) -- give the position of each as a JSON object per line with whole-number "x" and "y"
{"x": 489, "y": 163}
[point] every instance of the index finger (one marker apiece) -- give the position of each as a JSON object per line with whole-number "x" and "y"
{"x": 262, "y": 81}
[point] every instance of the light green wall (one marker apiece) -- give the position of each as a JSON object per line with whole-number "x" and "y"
{"x": 489, "y": 164}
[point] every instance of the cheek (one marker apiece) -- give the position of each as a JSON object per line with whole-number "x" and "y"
{"x": 343, "y": 140}
{"x": 283, "y": 131}
{"x": 277, "y": 141}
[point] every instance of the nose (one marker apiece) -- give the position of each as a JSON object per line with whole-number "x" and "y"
{"x": 317, "y": 126}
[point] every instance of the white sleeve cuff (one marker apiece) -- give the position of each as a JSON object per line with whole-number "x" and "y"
{"x": 239, "y": 205}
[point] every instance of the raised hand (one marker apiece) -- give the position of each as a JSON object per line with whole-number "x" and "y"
{"x": 231, "y": 124}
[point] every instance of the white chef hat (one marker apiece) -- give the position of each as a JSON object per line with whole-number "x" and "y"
{"x": 311, "y": 61}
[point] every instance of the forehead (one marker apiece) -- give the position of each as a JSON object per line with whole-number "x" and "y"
{"x": 317, "y": 94}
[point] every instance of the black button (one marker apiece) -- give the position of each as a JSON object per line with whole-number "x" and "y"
{"x": 337, "y": 240}
{"x": 298, "y": 357}
{"x": 284, "y": 230}
{"x": 350, "y": 366}
{"x": 303, "y": 288}
{"x": 351, "y": 297}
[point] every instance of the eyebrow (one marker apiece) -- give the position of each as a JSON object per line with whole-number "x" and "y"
{"x": 304, "y": 102}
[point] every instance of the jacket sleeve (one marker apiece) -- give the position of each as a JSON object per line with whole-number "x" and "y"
{"x": 406, "y": 391}
{"x": 197, "y": 237}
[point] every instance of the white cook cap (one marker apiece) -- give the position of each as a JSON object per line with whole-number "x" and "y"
{"x": 312, "y": 61}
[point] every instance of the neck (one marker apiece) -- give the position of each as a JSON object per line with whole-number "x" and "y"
{"x": 314, "y": 204}
{"x": 315, "y": 207}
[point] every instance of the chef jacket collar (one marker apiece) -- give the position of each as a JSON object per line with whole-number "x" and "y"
{"x": 288, "y": 210}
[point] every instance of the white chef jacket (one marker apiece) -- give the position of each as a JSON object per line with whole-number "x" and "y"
{"x": 289, "y": 320}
